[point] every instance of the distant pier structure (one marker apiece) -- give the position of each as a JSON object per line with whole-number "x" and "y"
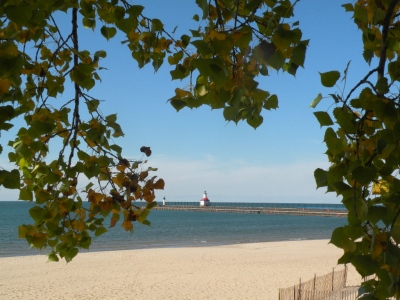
{"x": 205, "y": 201}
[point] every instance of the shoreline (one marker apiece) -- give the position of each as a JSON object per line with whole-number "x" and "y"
{"x": 44, "y": 252}
{"x": 235, "y": 271}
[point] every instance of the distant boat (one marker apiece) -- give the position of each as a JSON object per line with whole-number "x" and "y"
{"x": 205, "y": 201}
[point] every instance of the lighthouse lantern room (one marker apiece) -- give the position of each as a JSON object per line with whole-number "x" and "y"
{"x": 205, "y": 201}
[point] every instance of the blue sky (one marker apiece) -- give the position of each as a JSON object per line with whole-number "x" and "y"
{"x": 197, "y": 150}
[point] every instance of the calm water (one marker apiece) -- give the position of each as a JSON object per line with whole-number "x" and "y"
{"x": 178, "y": 229}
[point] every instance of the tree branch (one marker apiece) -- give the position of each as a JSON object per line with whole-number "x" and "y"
{"x": 385, "y": 31}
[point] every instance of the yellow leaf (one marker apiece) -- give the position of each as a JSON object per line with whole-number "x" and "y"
{"x": 127, "y": 225}
{"x": 380, "y": 244}
{"x": 90, "y": 143}
{"x": 213, "y": 13}
{"x": 133, "y": 35}
{"x": 119, "y": 179}
{"x": 94, "y": 197}
{"x": 217, "y": 35}
{"x": 81, "y": 213}
{"x": 182, "y": 93}
{"x": 94, "y": 124}
{"x": 4, "y": 85}
{"x": 78, "y": 225}
{"x": 380, "y": 187}
{"x": 121, "y": 168}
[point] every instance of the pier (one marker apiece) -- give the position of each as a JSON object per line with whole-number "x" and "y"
{"x": 299, "y": 211}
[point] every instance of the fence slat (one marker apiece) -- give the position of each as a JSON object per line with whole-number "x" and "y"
{"x": 319, "y": 288}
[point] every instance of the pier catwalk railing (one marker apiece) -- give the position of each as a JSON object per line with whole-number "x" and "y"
{"x": 311, "y": 206}
{"x": 337, "y": 210}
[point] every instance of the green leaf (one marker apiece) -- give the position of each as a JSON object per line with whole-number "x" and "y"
{"x": 335, "y": 145}
{"x": 135, "y": 10}
{"x": 180, "y": 72}
{"x": 72, "y": 252}
{"x": 38, "y": 240}
{"x": 146, "y": 222}
{"x": 276, "y": 60}
{"x": 82, "y": 78}
{"x": 108, "y": 32}
{"x": 43, "y": 196}
{"x": 271, "y": 102}
{"x": 255, "y": 121}
{"x": 231, "y": 113}
{"x": 376, "y": 213}
{"x": 341, "y": 240}
{"x": 156, "y": 25}
{"x": 19, "y": 14}
{"x": 394, "y": 70}
{"x": 364, "y": 265}
{"x": 89, "y": 23}
{"x": 329, "y": 79}
{"x": 111, "y": 118}
{"x": 203, "y": 4}
{"x": 10, "y": 180}
{"x": 100, "y": 230}
{"x": 348, "y": 7}
{"x": 85, "y": 242}
{"x": 92, "y": 171}
{"x": 321, "y": 177}
{"x": 53, "y": 256}
{"x": 346, "y": 119}
{"x": 143, "y": 215}
{"x": 202, "y": 47}
{"x": 92, "y": 105}
{"x": 212, "y": 68}
{"x": 323, "y": 118}
{"x": 100, "y": 54}
{"x": 283, "y": 38}
{"x": 364, "y": 175}
{"x": 382, "y": 85}
{"x": 25, "y": 194}
{"x": 36, "y": 214}
{"x": 317, "y": 100}
{"x": 299, "y": 54}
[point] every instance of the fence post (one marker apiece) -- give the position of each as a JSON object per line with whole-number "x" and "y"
{"x": 294, "y": 292}
{"x": 315, "y": 278}
{"x": 345, "y": 275}
{"x": 300, "y": 290}
{"x": 333, "y": 275}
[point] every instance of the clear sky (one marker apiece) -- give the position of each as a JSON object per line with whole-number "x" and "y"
{"x": 197, "y": 150}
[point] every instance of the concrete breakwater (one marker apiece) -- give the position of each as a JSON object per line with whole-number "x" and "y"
{"x": 255, "y": 210}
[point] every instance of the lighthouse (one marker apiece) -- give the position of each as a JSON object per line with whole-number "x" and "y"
{"x": 205, "y": 201}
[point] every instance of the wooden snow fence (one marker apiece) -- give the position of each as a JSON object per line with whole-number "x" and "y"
{"x": 330, "y": 286}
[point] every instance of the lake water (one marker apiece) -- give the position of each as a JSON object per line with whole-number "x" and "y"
{"x": 178, "y": 229}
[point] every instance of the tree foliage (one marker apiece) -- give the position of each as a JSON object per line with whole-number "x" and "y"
{"x": 40, "y": 58}
{"x": 242, "y": 40}
{"x": 363, "y": 148}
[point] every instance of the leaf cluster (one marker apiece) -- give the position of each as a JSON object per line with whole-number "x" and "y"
{"x": 241, "y": 41}
{"x": 39, "y": 59}
{"x": 362, "y": 140}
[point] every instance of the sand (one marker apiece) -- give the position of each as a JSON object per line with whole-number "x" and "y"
{"x": 242, "y": 271}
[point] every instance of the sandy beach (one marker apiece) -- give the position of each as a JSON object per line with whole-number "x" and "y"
{"x": 242, "y": 271}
